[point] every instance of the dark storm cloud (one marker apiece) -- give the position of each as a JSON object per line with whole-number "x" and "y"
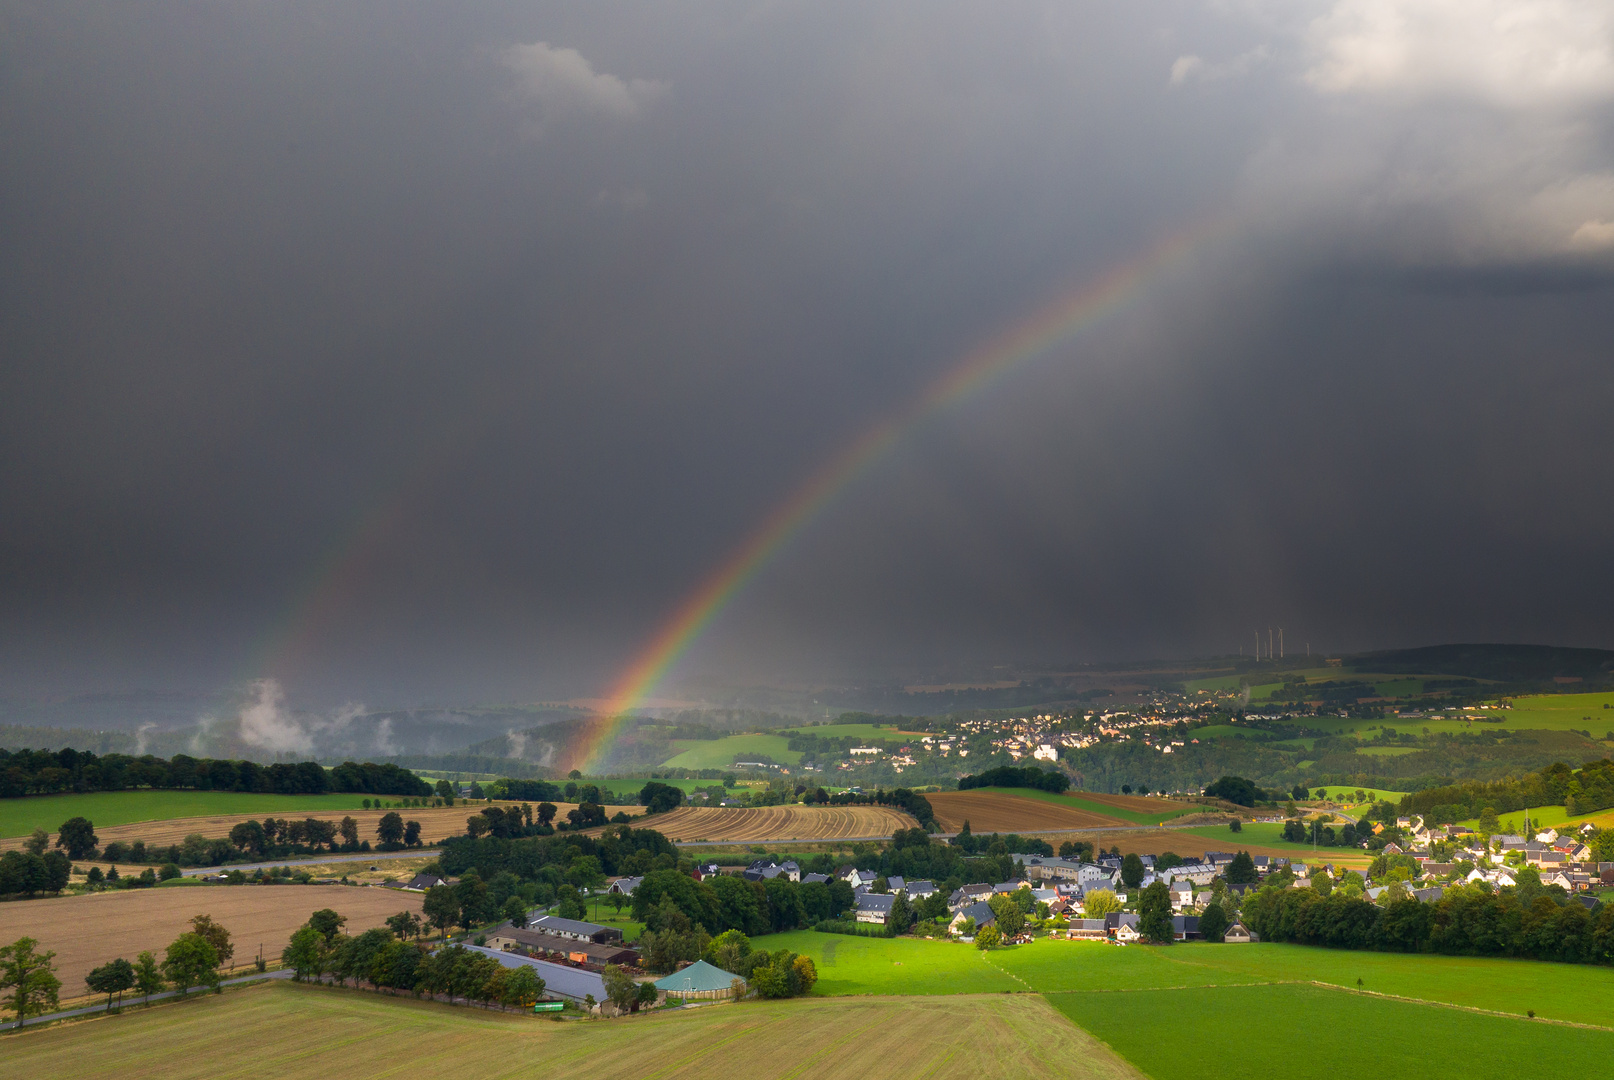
{"x": 547, "y": 306}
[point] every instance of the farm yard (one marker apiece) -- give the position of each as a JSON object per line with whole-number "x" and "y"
{"x": 85, "y": 931}
{"x": 435, "y": 822}
{"x": 776, "y": 823}
{"x": 968, "y": 1038}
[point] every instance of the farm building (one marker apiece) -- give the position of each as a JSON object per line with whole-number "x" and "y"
{"x": 980, "y": 911}
{"x": 536, "y": 942}
{"x": 560, "y": 980}
{"x": 699, "y": 981}
{"x": 577, "y": 930}
{"x": 874, "y": 907}
{"x": 625, "y": 885}
{"x": 1238, "y": 934}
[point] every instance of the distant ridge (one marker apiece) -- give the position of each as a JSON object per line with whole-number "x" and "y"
{"x": 1499, "y": 663}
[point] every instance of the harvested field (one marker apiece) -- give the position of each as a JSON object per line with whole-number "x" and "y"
{"x": 287, "y": 1030}
{"x": 742, "y": 824}
{"x": 86, "y": 931}
{"x": 1140, "y": 804}
{"x": 436, "y": 823}
{"x": 989, "y": 811}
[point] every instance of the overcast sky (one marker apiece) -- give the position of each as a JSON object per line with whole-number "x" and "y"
{"x": 436, "y": 352}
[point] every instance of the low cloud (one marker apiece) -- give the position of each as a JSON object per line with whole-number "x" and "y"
{"x": 1194, "y": 68}
{"x": 563, "y": 85}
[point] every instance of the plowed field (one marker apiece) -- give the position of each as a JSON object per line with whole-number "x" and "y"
{"x": 995, "y": 811}
{"x": 435, "y": 824}
{"x": 86, "y": 931}
{"x": 1136, "y": 803}
{"x": 747, "y": 824}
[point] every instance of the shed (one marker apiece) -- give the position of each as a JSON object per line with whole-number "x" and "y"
{"x": 699, "y": 981}
{"x": 560, "y": 980}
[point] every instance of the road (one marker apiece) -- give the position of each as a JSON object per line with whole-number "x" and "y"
{"x": 358, "y": 856}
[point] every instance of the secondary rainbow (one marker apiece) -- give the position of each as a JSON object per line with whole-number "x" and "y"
{"x": 1034, "y": 335}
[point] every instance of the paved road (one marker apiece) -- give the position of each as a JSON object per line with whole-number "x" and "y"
{"x": 357, "y": 856}
{"x": 132, "y": 1000}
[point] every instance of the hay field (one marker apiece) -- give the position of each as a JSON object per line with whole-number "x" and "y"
{"x": 989, "y": 810}
{"x": 285, "y": 1030}
{"x": 86, "y": 931}
{"x": 743, "y": 824}
{"x": 436, "y": 823}
{"x": 19, "y": 817}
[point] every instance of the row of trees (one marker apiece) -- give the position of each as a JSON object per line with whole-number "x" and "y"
{"x": 1010, "y": 776}
{"x": 1470, "y": 920}
{"x": 41, "y": 772}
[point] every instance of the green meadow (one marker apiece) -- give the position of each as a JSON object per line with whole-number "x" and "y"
{"x": 1573, "y": 993}
{"x": 722, "y": 753}
{"x": 1184, "y": 1034}
{"x": 1544, "y": 817}
{"x": 18, "y": 817}
{"x": 1265, "y": 834}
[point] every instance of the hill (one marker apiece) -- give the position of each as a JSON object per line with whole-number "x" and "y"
{"x": 1496, "y": 663}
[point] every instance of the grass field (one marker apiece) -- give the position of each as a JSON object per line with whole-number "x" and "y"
{"x": 1182, "y": 1035}
{"x": 19, "y": 817}
{"x": 1269, "y": 839}
{"x": 287, "y": 1030}
{"x": 1573, "y": 993}
{"x": 1543, "y": 817}
{"x": 722, "y": 753}
{"x": 743, "y": 824}
{"x": 85, "y": 931}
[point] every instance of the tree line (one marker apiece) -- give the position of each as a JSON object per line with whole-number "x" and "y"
{"x": 1582, "y": 791}
{"x": 1010, "y": 776}
{"x": 45, "y": 772}
{"x": 1526, "y": 921}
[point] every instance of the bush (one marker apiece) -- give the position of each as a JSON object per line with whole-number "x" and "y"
{"x": 169, "y": 872}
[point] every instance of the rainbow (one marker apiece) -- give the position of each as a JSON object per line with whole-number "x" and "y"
{"x": 1029, "y": 338}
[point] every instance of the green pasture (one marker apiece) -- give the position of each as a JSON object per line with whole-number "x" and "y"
{"x": 1545, "y": 817}
{"x": 1183, "y": 1034}
{"x": 721, "y": 753}
{"x": 1563, "y": 712}
{"x": 18, "y": 817}
{"x": 1577, "y": 993}
{"x": 1337, "y": 792}
{"x": 1266, "y": 834}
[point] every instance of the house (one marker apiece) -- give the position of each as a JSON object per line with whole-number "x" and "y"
{"x": 537, "y": 943}
{"x": 1588, "y": 902}
{"x": 874, "y": 907}
{"x": 808, "y": 879}
{"x": 966, "y": 895}
{"x": 560, "y": 980}
{"x": 858, "y": 879}
{"x": 980, "y": 911}
{"x": 705, "y": 870}
{"x": 1428, "y": 896}
{"x": 422, "y": 882}
{"x": 767, "y": 870}
{"x": 576, "y": 930}
{"x": 625, "y": 885}
{"x": 1185, "y": 927}
{"x": 895, "y": 884}
{"x": 699, "y": 981}
{"x": 1182, "y": 894}
{"x": 1088, "y": 929}
{"x": 1239, "y": 934}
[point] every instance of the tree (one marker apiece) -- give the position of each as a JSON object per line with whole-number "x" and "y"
{"x": 1007, "y": 914}
{"x": 1213, "y": 922}
{"x": 444, "y": 790}
{"x": 1235, "y": 825}
{"x": 191, "y": 961}
{"x": 988, "y": 937}
{"x": 1241, "y": 871}
{"x": 621, "y": 988}
{"x": 327, "y": 922}
{"x": 215, "y": 935}
{"x": 477, "y": 825}
{"x": 249, "y": 837}
{"x": 1235, "y": 789}
{"x": 31, "y": 978}
{"x": 1488, "y": 823}
{"x": 37, "y": 842}
{"x": 728, "y": 950}
{"x": 411, "y": 837}
{"x": 546, "y": 812}
{"x": 1154, "y": 911}
{"x": 515, "y": 909}
{"x": 306, "y": 953}
{"x": 1099, "y": 902}
{"x": 405, "y": 924}
{"x": 390, "y": 829}
{"x": 522, "y": 987}
{"x": 901, "y": 916}
{"x": 658, "y": 798}
{"x": 148, "y": 976}
{"x": 1131, "y": 871}
{"x": 111, "y": 978}
{"x": 77, "y": 835}
{"x": 441, "y": 907}
{"x": 350, "y": 831}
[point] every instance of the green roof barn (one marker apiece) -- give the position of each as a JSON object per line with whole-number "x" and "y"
{"x": 699, "y": 980}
